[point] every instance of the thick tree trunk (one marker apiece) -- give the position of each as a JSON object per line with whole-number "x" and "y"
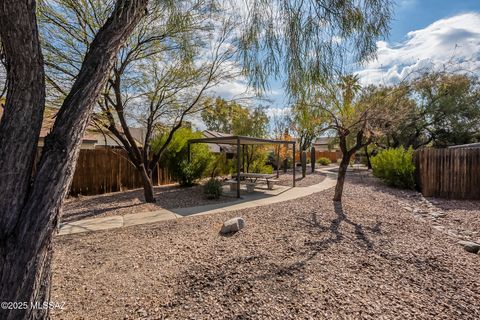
{"x": 342, "y": 172}
{"x": 369, "y": 164}
{"x": 24, "y": 105}
{"x": 25, "y": 251}
{"x": 147, "y": 184}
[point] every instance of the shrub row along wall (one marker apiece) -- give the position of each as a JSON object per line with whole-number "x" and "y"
{"x": 448, "y": 173}
{"x": 108, "y": 170}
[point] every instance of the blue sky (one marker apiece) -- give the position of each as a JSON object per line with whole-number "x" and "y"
{"x": 418, "y": 14}
{"x": 424, "y": 34}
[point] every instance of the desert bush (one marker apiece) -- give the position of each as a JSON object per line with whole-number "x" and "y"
{"x": 324, "y": 161}
{"x": 395, "y": 167}
{"x": 176, "y": 154}
{"x": 188, "y": 173}
{"x": 213, "y": 189}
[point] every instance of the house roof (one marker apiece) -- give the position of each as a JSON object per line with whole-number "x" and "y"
{"x": 215, "y": 147}
{"x": 468, "y": 145}
{"x": 228, "y": 139}
{"x": 49, "y": 120}
{"x": 324, "y": 140}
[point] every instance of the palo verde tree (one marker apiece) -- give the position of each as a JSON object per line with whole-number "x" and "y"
{"x": 30, "y": 204}
{"x": 157, "y": 80}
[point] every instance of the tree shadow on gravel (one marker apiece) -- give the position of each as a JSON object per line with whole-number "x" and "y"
{"x": 88, "y": 213}
{"x": 335, "y": 234}
{"x": 315, "y": 247}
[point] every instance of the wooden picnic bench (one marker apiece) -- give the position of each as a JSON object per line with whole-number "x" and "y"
{"x": 253, "y": 178}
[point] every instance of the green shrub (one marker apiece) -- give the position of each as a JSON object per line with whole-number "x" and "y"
{"x": 213, "y": 189}
{"x": 175, "y": 156}
{"x": 187, "y": 173}
{"x": 395, "y": 167}
{"x": 324, "y": 161}
{"x": 259, "y": 163}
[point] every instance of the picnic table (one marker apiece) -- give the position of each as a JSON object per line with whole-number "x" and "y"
{"x": 252, "y": 180}
{"x": 253, "y": 177}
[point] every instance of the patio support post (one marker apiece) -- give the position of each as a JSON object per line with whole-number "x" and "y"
{"x": 238, "y": 167}
{"x": 294, "y": 164}
{"x": 243, "y": 158}
{"x": 278, "y": 160}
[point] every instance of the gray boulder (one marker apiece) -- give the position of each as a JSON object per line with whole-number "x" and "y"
{"x": 232, "y": 225}
{"x": 470, "y": 246}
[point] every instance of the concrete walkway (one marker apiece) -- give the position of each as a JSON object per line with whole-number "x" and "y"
{"x": 247, "y": 201}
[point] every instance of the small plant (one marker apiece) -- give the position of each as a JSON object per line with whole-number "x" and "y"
{"x": 324, "y": 161}
{"x": 395, "y": 167}
{"x": 213, "y": 189}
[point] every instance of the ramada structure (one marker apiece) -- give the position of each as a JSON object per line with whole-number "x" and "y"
{"x": 240, "y": 141}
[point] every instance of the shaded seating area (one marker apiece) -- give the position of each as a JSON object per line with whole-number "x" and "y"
{"x": 241, "y": 141}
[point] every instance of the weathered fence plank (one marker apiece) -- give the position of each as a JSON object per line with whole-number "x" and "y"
{"x": 108, "y": 170}
{"x": 448, "y": 173}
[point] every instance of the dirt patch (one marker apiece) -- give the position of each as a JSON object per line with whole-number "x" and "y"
{"x": 302, "y": 259}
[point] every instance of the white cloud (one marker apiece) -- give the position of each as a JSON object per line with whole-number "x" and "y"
{"x": 451, "y": 42}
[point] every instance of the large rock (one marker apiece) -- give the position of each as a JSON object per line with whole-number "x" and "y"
{"x": 233, "y": 225}
{"x": 470, "y": 246}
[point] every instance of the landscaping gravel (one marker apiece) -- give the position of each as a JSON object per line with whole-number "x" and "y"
{"x": 302, "y": 259}
{"x": 286, "y": 179}
{"x": 132, "y": 201}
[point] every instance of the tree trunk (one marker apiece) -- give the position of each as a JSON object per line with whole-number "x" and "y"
{"x": 27, "y": 231}
{"x": 342, "y": 171}
{"x": 147, "y": 184}
{"x": 23, "y": 112}
{"x": 369, "y": 164}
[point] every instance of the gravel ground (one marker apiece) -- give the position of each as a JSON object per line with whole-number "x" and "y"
{"x": 302, "y": 259}
{"x": 460, "y": 215}
{"x": 121, "y": 203}
{"x": 285, "y": 179}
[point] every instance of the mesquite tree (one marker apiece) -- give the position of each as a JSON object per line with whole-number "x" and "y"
{"x": 356, "y": 118}
{"x": 29, "y": 205}
{"x": 159, "y": 78}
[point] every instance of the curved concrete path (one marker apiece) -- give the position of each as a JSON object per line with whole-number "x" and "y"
{"x": 248, "y": 201}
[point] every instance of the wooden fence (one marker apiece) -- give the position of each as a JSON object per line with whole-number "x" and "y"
{"x": 332, "y": 155}
{"x": 448, "y": 173}
{"x": 108, "y": 170}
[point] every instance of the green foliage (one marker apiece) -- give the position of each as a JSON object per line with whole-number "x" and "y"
{"x": 213, "y": 189}
{"x": 176, "y": 154}
{"x": 324, "y": 161}
{"x": 285, "y": 38}
{"x": 233, "y": 118}
{"x": 259, "y": 164}
{"x": 395, "y": 167}
{"x": 187, "y": 173}
{"x": 307, "y": 122}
